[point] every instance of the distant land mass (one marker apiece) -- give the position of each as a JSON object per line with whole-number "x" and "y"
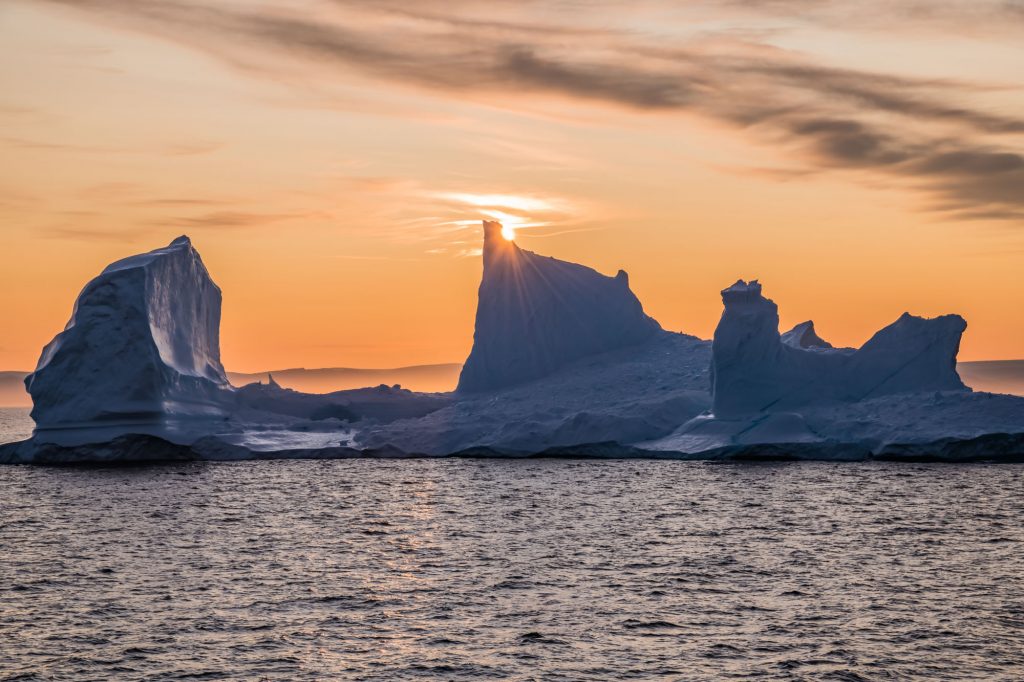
{"x": 995, "y": 376}
{"x": 425, "y": 378}
{"x": 12, "y": 390}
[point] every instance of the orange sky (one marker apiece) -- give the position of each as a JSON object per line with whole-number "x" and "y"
{"x": 332, "y": 161}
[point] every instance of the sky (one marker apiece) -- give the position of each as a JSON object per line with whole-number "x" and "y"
{"x": 332, "y": 161}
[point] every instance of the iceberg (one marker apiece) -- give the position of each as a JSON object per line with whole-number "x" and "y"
{"x": 793, "y": 395}
{"x": 142, "y": 346}
{"x": 637, "y": 393}
{"x": 565, "y": 363}
{"x": 755, "y": 369}
{"x": 537, "y": 314}
{"x": 804, "y": 336}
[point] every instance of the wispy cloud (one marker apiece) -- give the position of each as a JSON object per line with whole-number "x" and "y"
{"x": 78, "y": 233}
{"x": 180, "y": 148}
{"x": 921, "y": 15}
{"x": 162, "y": 202}
{"x": 967, "y": 160}
{"x": 227, "y": 219}
{"x": 191, "y": 148}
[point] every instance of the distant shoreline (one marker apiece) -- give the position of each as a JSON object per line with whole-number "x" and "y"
{"x": 437, "y": 378}
{"x": 993, "y": 376}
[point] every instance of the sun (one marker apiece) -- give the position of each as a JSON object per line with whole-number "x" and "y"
{"x": 508, "y": 232}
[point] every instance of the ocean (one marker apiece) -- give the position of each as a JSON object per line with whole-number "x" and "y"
{"x": 15, "y": 424}
{"x": 462, "y": 569}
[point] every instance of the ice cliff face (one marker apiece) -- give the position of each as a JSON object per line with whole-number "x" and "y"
{"x": 537, "y": 314}
{"x": 755, "y": 369}
{"x": 142, "y": 345}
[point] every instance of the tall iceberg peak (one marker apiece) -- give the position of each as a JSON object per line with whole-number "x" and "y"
{"x": 142, "y": 345}
{"x": 755, "y": 369}
{"x": 537, "y": 314}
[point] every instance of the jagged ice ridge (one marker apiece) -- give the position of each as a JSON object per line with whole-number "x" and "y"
{"x": 565, "y": 362}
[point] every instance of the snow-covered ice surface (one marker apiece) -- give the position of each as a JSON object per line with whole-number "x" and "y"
{"x": 908, "y": 418}
{"x": 137, "y": 374}
{"x": 628, "y": 395}
{"x": 378, "y": 404}
{"x": 142, "y": 346}
{"x": 537, "y": 314}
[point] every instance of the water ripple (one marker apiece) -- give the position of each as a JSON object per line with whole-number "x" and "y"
{"x": 525, "y": 570}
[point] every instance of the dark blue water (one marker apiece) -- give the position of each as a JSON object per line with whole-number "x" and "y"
{"x": 524, "y": 570}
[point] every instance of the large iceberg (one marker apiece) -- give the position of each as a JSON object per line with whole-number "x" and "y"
{"x": 142, "y": 346}
{"x": 755, "y": 369}
{"x": 537, "y": 314}
{"x": 565, "y": 363}
{"x": 795, "y": 389}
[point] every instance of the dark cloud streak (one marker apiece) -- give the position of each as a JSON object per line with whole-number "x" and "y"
{"x": 833, "y": 118}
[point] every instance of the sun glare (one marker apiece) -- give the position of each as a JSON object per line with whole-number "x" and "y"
{"x": 514, "y": 212}
{"x": 511, "y": 201}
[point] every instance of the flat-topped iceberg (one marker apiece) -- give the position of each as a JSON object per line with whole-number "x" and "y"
{"x": 537, "y": 314}
{"x": 142, "y": 346}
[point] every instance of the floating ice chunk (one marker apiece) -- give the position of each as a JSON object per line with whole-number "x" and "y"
{"x": 142, "y": 345}
{"x": 755, "y": 369}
